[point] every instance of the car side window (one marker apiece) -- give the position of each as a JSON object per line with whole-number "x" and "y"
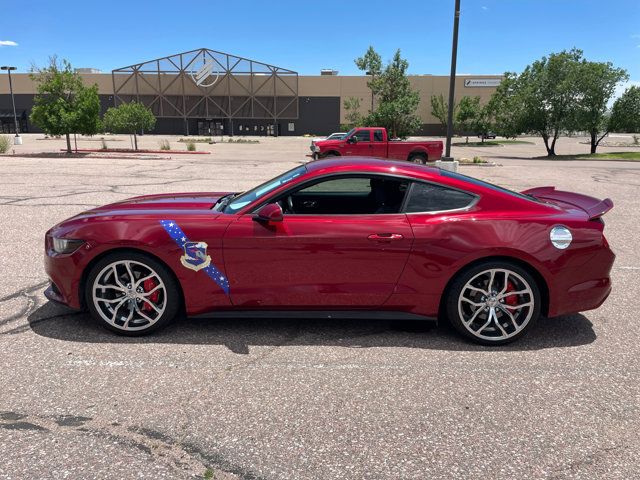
{"x": 340, "y": 185}
{"x": 428, "y": 197}
{"x": 347, "y": 195}
{"x": 378, "y": 136}
{"x": 363, "y": 135}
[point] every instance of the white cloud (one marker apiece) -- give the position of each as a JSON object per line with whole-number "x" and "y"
{"x": 484, "y": 7}
{"x": 8, "y": 43}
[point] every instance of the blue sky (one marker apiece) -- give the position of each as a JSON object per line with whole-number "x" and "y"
{"x": 495, "y": 35}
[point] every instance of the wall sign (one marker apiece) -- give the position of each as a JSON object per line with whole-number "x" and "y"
{"x": 482, "y": 82}
{"x": 207, "y": 74}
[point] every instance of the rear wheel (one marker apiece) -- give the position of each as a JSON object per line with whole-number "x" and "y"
{"x": 419, "y": 158}
{"x": 493, "y": 303}
{"x": 131, "y": 293}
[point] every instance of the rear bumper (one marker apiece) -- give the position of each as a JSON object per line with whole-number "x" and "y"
{"x": 585, "y": 288}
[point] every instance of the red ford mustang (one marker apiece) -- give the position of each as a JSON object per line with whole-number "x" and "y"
{"x": 340, "y": 237}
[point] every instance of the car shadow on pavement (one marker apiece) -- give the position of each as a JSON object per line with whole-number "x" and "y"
{"x": 58, "y": 322}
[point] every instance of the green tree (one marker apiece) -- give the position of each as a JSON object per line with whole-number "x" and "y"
{"x": 440, "y": 110}
{"x": 469, "y": 111}
{"x": 596, "y": 83}
{"x": 130, "y": 118}
{"x": 505, "y": 108}
{"x": 625, "y": 113}
{"x": 352, "y": 115}
{"x": 398, "y": 103}
{"x": 541, "y": 100}
{"x": 63, "y": 105}
{"x": 371, "y": 64}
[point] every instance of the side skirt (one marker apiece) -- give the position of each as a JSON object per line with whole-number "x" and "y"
{"x": 317, "y": 314}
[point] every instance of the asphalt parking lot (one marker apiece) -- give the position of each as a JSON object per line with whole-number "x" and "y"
{"x": 294, "y": 399}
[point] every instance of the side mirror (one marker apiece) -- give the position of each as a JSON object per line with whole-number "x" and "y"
{"x": 271, "y": 212}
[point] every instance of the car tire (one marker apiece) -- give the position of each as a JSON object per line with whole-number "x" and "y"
{"x": 494, "y": 302}
{"x": 419, "y": 158}
{"x": 132, "y": 308}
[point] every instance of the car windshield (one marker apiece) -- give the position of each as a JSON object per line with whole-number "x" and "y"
{"x": 349, "y": 133}
{"x": 244, "y": 199}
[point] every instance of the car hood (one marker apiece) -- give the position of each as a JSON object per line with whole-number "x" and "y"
{"x": 167, "y": 201}
{"x": 147, "y": 208}
{"x": 328, "y": 143}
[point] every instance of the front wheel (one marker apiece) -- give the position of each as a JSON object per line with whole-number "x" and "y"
{"x": 131, "y": 293}
{"x": 493, "y": 303}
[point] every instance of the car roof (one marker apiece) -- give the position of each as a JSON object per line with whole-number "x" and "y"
{"x": 373, "y": 165}
{"x": 342, "y": 165}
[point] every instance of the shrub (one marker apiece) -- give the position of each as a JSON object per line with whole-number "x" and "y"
{"x": 191, "y": 146}
{"x": 164, "y": 145}
{"x": 636, "y": 139}
{"x": 242, "y": 140}
{"x": 104, "y": 144}
{"x": 196, "y": 139}
{"x": 5, "y": 143}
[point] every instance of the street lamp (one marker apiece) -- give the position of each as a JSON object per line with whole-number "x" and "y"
{"x": 17, "y": 139}
{"x": 452, "y": 80}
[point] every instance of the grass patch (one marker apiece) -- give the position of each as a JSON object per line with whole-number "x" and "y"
{"x": 242, "y": 140}
{"x": 191, "y": 146}
{"x": 476, "y": 160}
{"x": 598, "y": 156}
{"x": 196, "y": 140}
{"x": 208, "y": 474}
{"x": 492, "y": 143}
{"x": 165, "y": 145}
{"x": 514, "y": 142}
{"x": 5, "y": 143}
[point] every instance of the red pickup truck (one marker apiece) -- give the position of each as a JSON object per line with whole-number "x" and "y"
{"x": 373, "y": 142}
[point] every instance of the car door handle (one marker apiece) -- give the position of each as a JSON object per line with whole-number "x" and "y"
{"x": 385, "y": 236}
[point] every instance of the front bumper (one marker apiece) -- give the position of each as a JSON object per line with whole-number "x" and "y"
{"x": 65, "y": 274}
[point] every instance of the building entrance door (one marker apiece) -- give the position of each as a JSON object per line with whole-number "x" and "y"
{"x": 207, "y": 128}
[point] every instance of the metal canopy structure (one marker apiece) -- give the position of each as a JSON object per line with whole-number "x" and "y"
{"x": 208, "y": 84}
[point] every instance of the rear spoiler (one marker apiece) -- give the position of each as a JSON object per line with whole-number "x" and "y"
{"x": 592, "y": 206}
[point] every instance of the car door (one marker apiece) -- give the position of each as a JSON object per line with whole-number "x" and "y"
{"x": 378, "y": 146}
{"x": 328, "y": 260}
{"x": 362, "y": 146}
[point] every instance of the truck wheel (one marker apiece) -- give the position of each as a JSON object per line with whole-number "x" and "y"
{"x": 419, "y": 158}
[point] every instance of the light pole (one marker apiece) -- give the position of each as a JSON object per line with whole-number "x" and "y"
{"x": 17, "y": 140}
{"x": 452, "y": 80}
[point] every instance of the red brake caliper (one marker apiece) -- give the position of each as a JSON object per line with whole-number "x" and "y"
{"x": 148, "y": 285}
{"x": 511, "y": 300}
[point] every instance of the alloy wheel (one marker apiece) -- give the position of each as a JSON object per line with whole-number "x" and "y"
{"x": 129, "y": 295}
{"x": 496, "y": 304}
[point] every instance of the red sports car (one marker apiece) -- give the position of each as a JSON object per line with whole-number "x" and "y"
{"x": 340, "y": 237}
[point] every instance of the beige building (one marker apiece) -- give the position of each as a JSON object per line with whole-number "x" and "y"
{"x": 206, "y": 92}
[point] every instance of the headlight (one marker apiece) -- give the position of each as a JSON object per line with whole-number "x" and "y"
{"x": 560, "y": 237}
{"x": 66, "y": 245}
